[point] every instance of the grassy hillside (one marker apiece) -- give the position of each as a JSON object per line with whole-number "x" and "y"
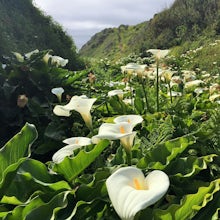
{"x": 185, "y": 21}
{"x": 24, "y": 28}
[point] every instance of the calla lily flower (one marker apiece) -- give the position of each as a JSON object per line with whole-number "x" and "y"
{"x": 193, "y": 83}
{"x": 174, "y": 94}
{"x": 60, "y": 110}
{"x": 112, "y": 131}
{"x": 159, "y": 54}
{"x": 120, "y": 131}
{"x": 167, "y": 75}
{"x": 128, "y": 101}
{"x": 58, "y": 92}
{"x": 134, "y": 68}
{"x": 28, "y": 55}
{"x": 213, "y": 98}
{"x": 130, "y": 192}
{"x": 132, "y": 119}
{"x": 73, "y": 144}
{"x": 82, "y": 141}
{"x": 81, "y": 104}
{"x": 55, "y": 60}
{"x": 22, "y": 101}
{"x": 59, "y": 61}
{"x": 19, "y": 57}
{"x": 118, "y": 92}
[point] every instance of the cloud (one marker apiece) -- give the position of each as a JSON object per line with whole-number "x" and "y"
{"x": 83, "y": 18}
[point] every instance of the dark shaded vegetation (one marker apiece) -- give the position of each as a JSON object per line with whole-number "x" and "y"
{"x": 24, "y": 28}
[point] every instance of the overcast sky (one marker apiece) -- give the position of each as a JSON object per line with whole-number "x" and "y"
{"x": 83, "y": 18}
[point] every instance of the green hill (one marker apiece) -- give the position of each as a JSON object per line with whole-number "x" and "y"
{"x": 24, "y": 28}
{"x": 185, "y": 21}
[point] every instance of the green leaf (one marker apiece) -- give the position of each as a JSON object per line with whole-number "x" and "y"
{"x": 37, "y": 208}
{"x": 165, "y": 152}
{"x": 118, "y": 105}
{"x": 71, "y": 167}
{"x": 190, "y": 204}
{"x": 17, "y": 148}
{"x": 96, "y": 188}
{"x": 189, "y": 166}
{"x": 211, "y": 211}
{"x": 32, "y": 176}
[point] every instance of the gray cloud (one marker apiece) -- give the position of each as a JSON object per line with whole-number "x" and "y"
{"x": 83, "y": 18}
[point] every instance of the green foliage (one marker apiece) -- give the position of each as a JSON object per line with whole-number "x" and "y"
{"x": 191, "y": 203}
{"x": 182, "y": 139}
{"x": 72, "y": 167}
{"x": 17, "y": 148}
{"x": 34, "y": 78}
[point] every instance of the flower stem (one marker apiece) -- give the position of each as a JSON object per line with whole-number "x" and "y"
{"x": 171, "y": 99}
{"x": 128, "y": 157}
{"x": 145, "y": 95}
{"x": 157, "y": 85}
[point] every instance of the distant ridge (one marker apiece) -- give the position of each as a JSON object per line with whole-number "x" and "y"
{"x": 185, "y": 20}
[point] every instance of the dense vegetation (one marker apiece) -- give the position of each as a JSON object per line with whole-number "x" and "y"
{"x": 24, "y": 28}
{"x": 79, "y": 144}
{"x": 46, "y": 173}
{"x": 185, "y": 22}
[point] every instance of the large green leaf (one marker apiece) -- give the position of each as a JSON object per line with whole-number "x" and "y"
{"x": 164, "y": 153}
{"x": 71, "y": 167}
{"x": 37, "y": 208}
{"x": 18, "y": 147}
{"x": 211, "y": 211}
{"x": 190, "y": 204}
{"x": 32, "y": 179}
{"x": 189, "y": 166}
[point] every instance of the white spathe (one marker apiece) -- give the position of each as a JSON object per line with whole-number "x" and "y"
{"x": 121, "y": 131}
{"x": 132, "y": 119}
{"x": 59, "y": 110}
{"x": 82, "y": 141}
{"x": 58, "y": 92}
{"x": 73, "y": 144}
{"x": 193, "y": 83}
{"x": 118, "y": 92}
{"x": 159, "y": 54}
{"x": 130, "y": 192}
{"x": 81, "y": 104}
{"x": 112, "y": 131}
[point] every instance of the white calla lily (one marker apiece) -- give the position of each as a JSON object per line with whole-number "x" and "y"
{"x": 193, "y": 83}
{"x": 159, "y": 54}
{"x": 81, "y": 104}
{"x": 132, "y": 119}
{"x": 130, "y": 192}
{"x": 59, "y": 156}
{"x": 118, "y": 92}
{"x": 114, "y": 131}
{"x": 82, "y": 141}
{"x": 174, "y": 94}
{"x": 59, "y": 110}
{"x": 28, "y": 55}
{"x": 19, "y": 57}
{"x": 213, "y": 98}
{"x": 73, "y": 144}
{"x": 58, "y": 92}
{"x": 121, "y": 131}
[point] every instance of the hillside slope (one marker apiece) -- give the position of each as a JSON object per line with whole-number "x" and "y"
{"x": 185, "y": 20}
{"x": 24, "y": 28}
